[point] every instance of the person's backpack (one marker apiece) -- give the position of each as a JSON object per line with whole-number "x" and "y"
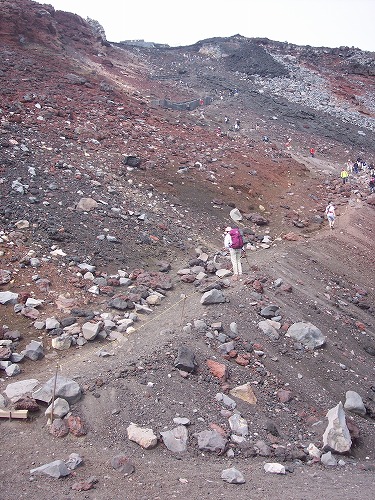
{"x": 236, "y": 236}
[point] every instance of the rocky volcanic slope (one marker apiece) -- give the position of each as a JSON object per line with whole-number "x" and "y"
{"x": 112, "y": 212}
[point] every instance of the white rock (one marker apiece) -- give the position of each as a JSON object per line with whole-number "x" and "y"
{"x": 274, "y": 468}
{"x": 142, "y": 436}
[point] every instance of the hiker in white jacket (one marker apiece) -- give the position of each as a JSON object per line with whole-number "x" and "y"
{"x": 330, "y": 213}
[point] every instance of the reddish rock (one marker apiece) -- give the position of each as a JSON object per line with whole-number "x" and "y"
{"x": 284, "y": 396}
{"x": 217, "y": 428}
{"x": 59, "y": 428}
{"x": 240, "y": 360}
{"x": 361, "y": 326}
{"x": 218, "y": 370}
{"x": 122, "y": 464}
{"x": 232, "y": 354}
{"x": 258, "y": 287}
{"x": 22, "y": 297}
{"x": 5, "y": 353}
{"x": 287, "y": 288}
{"x": 76, "y": 426}
{"x": 27, "y": 404}
{"x": 291, "y": 237}
{"x": 85, "y": 485}
{"x": 188, "y": 278}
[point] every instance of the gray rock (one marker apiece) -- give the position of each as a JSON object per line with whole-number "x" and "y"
{"x": 60, "y": 408}
{"x": 21, "y": 388}
{"x": 226, "y": 347}
{"x": 354, "y": 403}
{"x": 65, "y": 388}
{"x": 62, "y": 343}
{"x": 200, "y": 325}
{"x": 213, "y": 296}
{"x": 328, "y": 460}
{"x": 233, "y": 328}
{"x": 17, "y": 357}
{"x": 74, "y": 461}
{"x": 336, "y": 436}
{"x": 54, "y": 469}
{"x": 181, "y": 421}
{"x": 269, "y": 330}
{"x": 226, "y": 400}
{"x": 91, "y": 330}
{"x": 185, "y": 360}
{"x": 269, "y": 311}
{"x": 306, "y": 333}
{"x": 232, "y": 476}
{"x": 52, "y": 323}
{"x": 34, "y": 350}
{"x": 210, "y": 440}
{"x": 176, "y": 439}
{"x": 238, "y": 425}
{"x": 8, "y": 298}
{"x": 13, "y": 370}
{"x": 262, "y": 448}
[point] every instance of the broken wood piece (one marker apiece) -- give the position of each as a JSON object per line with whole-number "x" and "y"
{"x": 14, "y": 414}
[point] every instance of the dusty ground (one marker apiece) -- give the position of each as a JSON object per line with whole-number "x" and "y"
{"x": 78, "y": 150}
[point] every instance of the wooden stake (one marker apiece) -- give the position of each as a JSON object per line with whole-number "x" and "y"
{"x": 14, "y": 414}
{"x": 183, "y": 308}
{"x": 54, "y": 392}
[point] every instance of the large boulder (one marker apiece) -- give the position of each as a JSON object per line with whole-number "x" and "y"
{"x": 65, "y": 388}
{"x": 309, "y": 335}
{"x": 337, "y": 436}
{"x": 213, "y": 296}
{"x": 354, "y": 403}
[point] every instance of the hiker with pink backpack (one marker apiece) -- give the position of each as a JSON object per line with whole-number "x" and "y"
{"x": 233, "y": 242}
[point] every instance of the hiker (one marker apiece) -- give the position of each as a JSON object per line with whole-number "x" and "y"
{"x": 372, "y": 185}
{"x": 330, "y": 213}
{"x": 312, "y": 152}
{"x": 234, "y": 243}
{"x": 344, "y": 175}
{"x": 349, "y": 166}
{"x": 226, "y": 119}
{"x": 355, "y": 167}
{"x": 237, "y": 125}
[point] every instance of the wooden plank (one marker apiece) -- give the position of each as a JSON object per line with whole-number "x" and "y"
{"x": 14, "y": 414}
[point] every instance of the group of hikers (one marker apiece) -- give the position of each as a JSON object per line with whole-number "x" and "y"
{"x": 358, "y": 166}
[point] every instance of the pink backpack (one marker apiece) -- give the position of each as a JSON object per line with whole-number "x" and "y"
{"x": 237, "y": 241}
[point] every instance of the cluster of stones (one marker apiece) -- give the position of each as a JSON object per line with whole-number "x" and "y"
{"x": 336, "y": 439}
{"x": 142, "y": 291}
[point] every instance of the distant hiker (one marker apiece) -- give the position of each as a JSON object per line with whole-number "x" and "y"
{"x": 344, "y": 175}
{"x": 312, "y": 152}
{"x": 233, "y": 242}
{"x": 237, "y": 125}
{"x": 349, "y": 166}
{"x": 265, "y": 139}
{"x": 372, "y": 185}
{"x": 355, "y": 167}
{"x": 330, "y": 213}
{"x": 226, "y": 119}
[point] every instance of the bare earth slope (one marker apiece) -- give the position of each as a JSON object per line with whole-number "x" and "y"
{"x": 84, "y": 119}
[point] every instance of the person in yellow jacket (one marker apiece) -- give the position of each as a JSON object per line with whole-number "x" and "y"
{"x": 344, "y": 175}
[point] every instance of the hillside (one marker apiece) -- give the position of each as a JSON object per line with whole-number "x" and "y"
{"x": 118, "y": 175}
